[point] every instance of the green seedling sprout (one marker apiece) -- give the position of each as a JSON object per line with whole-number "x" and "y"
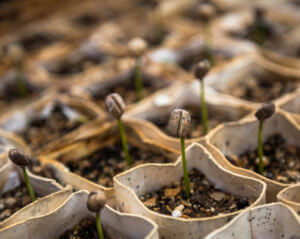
{"x": 116, "y": 106}
{"x": 207, "y": 12}
{"x": 179, "y": 126}
{"x": 259, "y": 26}
{"x": 96, "y": 201}
{"x": 16, "y": 55}
{"x": 137, "y": 48}
{"x": 200, "y": 71}
{"x": 22, "y": 161}
{"x": 263, "y": 113}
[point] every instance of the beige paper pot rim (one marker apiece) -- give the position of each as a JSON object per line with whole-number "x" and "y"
{"x": 291, "y": 105}
{"x": 261, "y": 220}
{"x": 291, "y": 197}
{"x": 235, "y": 69}
{"x": 16, "y": 120}
{"x": 179, "y": 95}
{"x": 142, "y": 179}
{"x": 49, "y": 225}
{"x": 290, "y": 131}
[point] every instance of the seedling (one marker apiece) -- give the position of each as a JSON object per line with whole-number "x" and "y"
{"x": 207, "y": 12}
{"x": 22, "y": 161}
{"x": 263, "y": 113}
{"x": 16, "y": 55}
{"x": 260, "y": 27}
{"x": 179, "y": 126}
{"x": 200, "y": 71}
{"x": 137, "y": 48}
{"x": 96, "y": 201}
{"x": 116, "y": 106}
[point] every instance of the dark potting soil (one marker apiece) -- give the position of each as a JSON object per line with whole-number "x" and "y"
{"x": 103, "y": 165}
{"x": 261, "y": 87}
{"x": 11, "y": 92}
{"x": 41, "y": 170}
{"x": 38, "y": 40}
{"x": 282, "y": 161}
{"x": 14, "y": 200}
{"x": 41, "y": 131}
{"x": 85, "y": 229}
{"x": 205, "y": 200}
{"x": 127, "y": 90}
{"x": 197, "y": 128}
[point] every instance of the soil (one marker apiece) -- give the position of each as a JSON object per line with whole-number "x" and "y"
{"x": 41, "y": 131}
{"x": 127, "y": 89}
{"x": 261, "y": 87}
{"x": 281, "y": 160}
{"x": 10, "y": 91}
{"x": 41, "y": 170}
{"x": 205, "y": 200}
{"x": 197, "y": 129}
{"x": 103, "y": 165}
{"x": 12, "y": 201}
{"x": 83, "y": 230}
{"x": 38, "y": 40}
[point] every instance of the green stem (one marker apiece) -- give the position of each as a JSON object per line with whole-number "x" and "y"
{"x": 260, "y": 148}
{"x": 208, "y": 44}
{"x": 28, "y": 185}
{"x": 124, "y": 142}
{"x": 20, "y": 82}
{"x": 99, "y": 228}
{"x": 260, "y": 33}
{"x": 138, "y": 81}
{"x": 185, "y": 170}
{"x": 204, "y": 108}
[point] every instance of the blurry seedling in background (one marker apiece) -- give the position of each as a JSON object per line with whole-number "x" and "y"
{"x": 201, "y": 70}
{"x": 116, "y": 106}
{"x": 22, "y": 161}
{"x": 96, "y": 201}
{"x": 16, "y": 55}
{"x": 179, "y": 125}
{"x": 137, "y": 48}
{"x": 207, "y": 12}
{"x": 263, "y": 113}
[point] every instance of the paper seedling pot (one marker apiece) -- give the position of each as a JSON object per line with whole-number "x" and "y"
{"x": 18, "y": 120}
{"x": 238, "y": 137}
{"x": 184, "y": 95}
{"x": 71, "y": 212}
{"x": 97, "y": 137}
{"x": 291, "y": 104}
{"x": 268, "y": 221}
{"x": 99, "y": 83}
{"x": 227, "y": 77}
{"x": 150, "y": 177}
{"x": 291, "y": 197}
{"x": 11, "y": 177}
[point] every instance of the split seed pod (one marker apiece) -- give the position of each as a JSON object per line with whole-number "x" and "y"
{"x": 18, "y": 158}
{"x": 265, "y": 111}
{"x": 15, "y": 53}
{"x": 96, "y": 201}
{"x": 179, "y": 123}
{"x": 115, "y": 105}
{"x": 201, "y": 69}
{"x": 137, "y": 46}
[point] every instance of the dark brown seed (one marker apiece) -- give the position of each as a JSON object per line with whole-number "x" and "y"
{"x": 18, "y": 158}
{"x": 206, "y": 11}
{"x": 201, "y": 69}
{"x": 265, "y": 111}
{"x": 96, "y": 201}
{"x": 115, "y": 105}
{"x": 179, "y": 123}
